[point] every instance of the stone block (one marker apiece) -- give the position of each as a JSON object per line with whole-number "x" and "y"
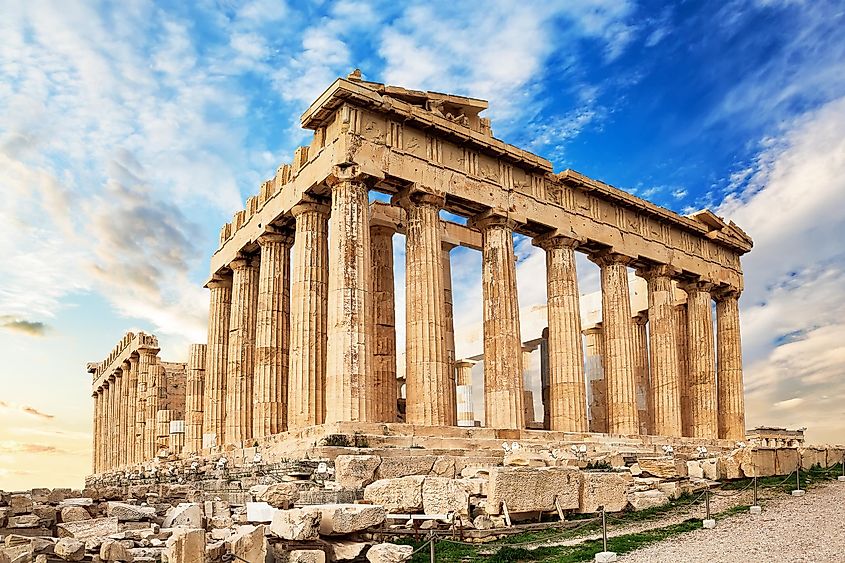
{"x": 249, "y": 544}
{"x": 259, "y": 512}
{"x": 128, "y": 512}
{"x": 755, "y": 510}
{"x": 58, "y": 495}
{"x": 347, "y": 550}
{"x": 530, "y": 489}
{"x": 40, "y": 495}
{"x": 389, "y": 553}
{"x": 46, "y": 514}
{"x": 342, "y": 519}
{"x": 525, "y": 458}
{"x": 671, "y": 489}
{"x": 185, "y": 515}
{"x": 395, "y": 467}
{"x": 730, "y": 466}
{"x": 834, "y": 456}
{"x": 599, "y": 489}
{"x": 281, "y": 495}
{"x": 658, "y": 467}
{"x": 355, "y": 471}
{"x": 474, "y": 487}
{"x": 307, "y": 556}
{"x": 798, "y": 492}
{"x": 23, "y": 521}
{"x": 444, "y": 466}
{"x": 644, "y": 500}
{"x": 298, "y": 524}
{"x": 403, "y": 494}
{"x": 113, "y": 550}
{"x": 813, "y": 456}
{"x": 606, "y": 557}
{"x": 76, "y": 501}
{"x": 84, "y": 529}
{"x": 694, "y": 469}
{"x": 710, "y": 468}
{"x": 761, "y": 463}
{"x": 709, "y": 523}
{"x": 5, "y": 512}
{"x": 786, "y": 461}
{"x": 186, "y": 546}
{"x": 70, "y": 549}
{"x": 74, "y": 514}
{"x": 20, "y": 504}
{"x": 442, "y": 495}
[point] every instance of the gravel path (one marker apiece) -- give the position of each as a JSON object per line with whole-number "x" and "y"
{"x": 806, "y": 529}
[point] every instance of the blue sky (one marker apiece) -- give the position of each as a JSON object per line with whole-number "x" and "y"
{"x": 129, "y": 132}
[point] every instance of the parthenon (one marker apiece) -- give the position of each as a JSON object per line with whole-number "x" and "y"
{"x": 301, "y": 325}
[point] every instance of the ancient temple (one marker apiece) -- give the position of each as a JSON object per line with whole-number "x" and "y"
{"x": 301, "y": 328}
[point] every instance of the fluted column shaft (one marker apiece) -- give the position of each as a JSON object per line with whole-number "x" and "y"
{"x": 194, "y": 394}
{"x": 449, "y": 316}
{"x": 731, "y": 392}
{"x": 503, "y": 386}
{"x": 466, "y": 413}
{"x": 567, "y": 395}
{"x": 349, "y": 381}
{"x": 108, "y": 430}
{"x": 384, "y": 321}
{"x": 272, "y": 335}
{"x": 131, "y": 409}
{"x": 95, "y": 462}
{"x": 430, "y": 391}
{"x": 639, "y": 333}
{"x": 702, "y": 361}
{"x": 154, "y": 380}
{"x": 665, "y": 382}
{"x": 596, "y": 383}
{"x": 622, "y": 416}
{"x": 683, "y": 368}
{"x": 240, "y": 368}
{"x": 145, "y": 357}
{"x": 123, "y": 415}
{"x": 306, "y": 400}
{"x": 217, "y": 361}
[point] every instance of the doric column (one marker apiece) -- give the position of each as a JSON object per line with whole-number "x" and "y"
{"x": 384, "y": 321}
{"x": 503, "y": 397}
{"x": 217, "y": 361}
{"x": 95, "y": 442}
{"x": 131, "y": 408}
{"x": 683, "y": 369}
{"x": 702, "y": 360}
{"x": 349, "y": 381}
{"x": 108, "y": 431}
{"x": 618, "y": 343}
{"x": 146, "y": 360}
{"x": 308, "y": 302}
{"x": 194, "y": 393}
{"x": 116, "y": 430}
{"x": 665, "y": 398}
{"x": 596, "y": 383}
{"x": 123, "y": 414}
{"x": 429, "y": 387}
{"x": 272, "y": 335}
{"x": 155, "y": 381}
{"x": 240, "y": 368}
{"x": 639, "y": 333}
{"x": 449, "y": 315}
{"x": 567, "y": 397}
{"x": 466, "y": 413}
{"x": 731, "y": 391}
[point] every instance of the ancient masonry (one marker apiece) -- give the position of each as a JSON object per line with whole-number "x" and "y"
{"x": 301, "y": 328}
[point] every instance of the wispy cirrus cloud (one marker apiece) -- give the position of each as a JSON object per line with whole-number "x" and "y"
{"x": 31, "y": 328}
{"x": 32, "y": 411}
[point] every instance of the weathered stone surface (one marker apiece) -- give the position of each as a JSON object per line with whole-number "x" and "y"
{"x": 129, "y": 512}
{"x": 249, "y": 544}
{"x": 395, "y": 467}
{"x": 113, "y": 550}
{"x": 710, "y": 468}
{"x": 355, "y": 471}
{"x": 259, "y": 512}
{"x": 46, "y": 514}
{"x": 342, "y": 519}
{"x": 441, "y": 495}
{"x": 813, "y": 456}
{"x": 347, "y": 550}
{"x": 76, "y": 501}
{"x": 694, "y": 469}
{"x": 281, "y": 495}
{"x": 186, "y": 546}
{"x": 403, "y": 494}
{"x": 70, "y": 549}
{"x": 84, "y": 529}
{"x": 527, "y": 489}
{"x": 74, "y": 514}
{"x": 602, "y": 489}
{"x": 185, "y": 515}
{"x": 296, "y": 524}
{"x": 664, "y": 467}
{"x": 389, "y": 553}
{"x": 307, "y": 556}
{"x": 20, "y": 504}
{"x": 23, "y": 521}
{"x": 786, "y": 461}
{"x": 643, "y": 500}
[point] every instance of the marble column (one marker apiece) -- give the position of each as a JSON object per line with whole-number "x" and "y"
{"x": 567, "y": 401}
{"x": 272, "y": 334}
{"x": 194, "y": 393}
{"x": 430, "y": 391}
{"x": 349, "y": 374}
{"x": 308, "y": 312}
{"x": 117, "y": 430}
{"x": 639, "y": 334}
{"x": 384, "y": 321}
{"x": 217, "y": 361}
{"x": 702, "y": 360}
{"x": 683, "y": 368}
{"x": 95, "y": 464}
{"x": 145, "y": 357}
{"x": 108, "y": 431}
{"x": 131, "y": 410}
{"x": 466, "y": 413}
{"x": 155, "y": 380}
{"x": 123, "y": 420}
{"x": 450, "y": 319}
{"x": 663, "y": 353}
{"x": 622, "y": 415}
{"x": 731, "y": 392}
{"x": 240, "y": 368}
{"x": 596, "y": 383}
{"x": 503, "y": 388}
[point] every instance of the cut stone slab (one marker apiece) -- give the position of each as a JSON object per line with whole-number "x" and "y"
{"x": 74, "y": 514}
{"x": 113, "y": 550}
{"x": 70, "y": 549}
{"x": 259, "y": 512}
{"x": 186, "y": 546}
{"x": 23, "y": 521}
{"x": 347, "y": 550}
{"x": 342, "y": 519}
{"x": 389, "y": 553}
{"x": 20, "y": 504}
{"x": 250, "y": 545}
{"x": 184, "y": 515}
{"x": 602, "y": 489}
{"x": 84, "y": 529}
{"x": 77, "y": 501}
{"x": 396, "y": 467}
{"x": 660, "y": 467}
{"x": 129, "y": 512}
{"x": 441, "y": 495}
{"x": 355, "y": 471}
{"x": 530, "y": 489}
{"x": 280, "y": 495}
{"x": 298, "y": 524}
{"x": 307, "y": 556}
{"x": 403, "y": 494}
{"x": 643, "y": 500}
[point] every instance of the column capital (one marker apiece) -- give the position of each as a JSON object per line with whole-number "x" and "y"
{"x": 464, "y": 363}
{"x": 381, "y": 229}
{"x": 491, "y": 218}
{"x": 609, "y": 258}
{"x": 219, "y": 281}
{"x": 126, "y": 365}
{"x": 343, "y": 174}
{"x": 553, "y": 239}
{"x": 723, "y": 292}
{"x": 418, "y": 195}
{"x": 597, "y": 329}
{"x": 696, "y": 285}
{"x": 283, "y": 237}
{"x": 307, "y": 205}
{"x": 640, "y": 318}
{"x": 658, "y": 271}
{"x": 242, "y": 262}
